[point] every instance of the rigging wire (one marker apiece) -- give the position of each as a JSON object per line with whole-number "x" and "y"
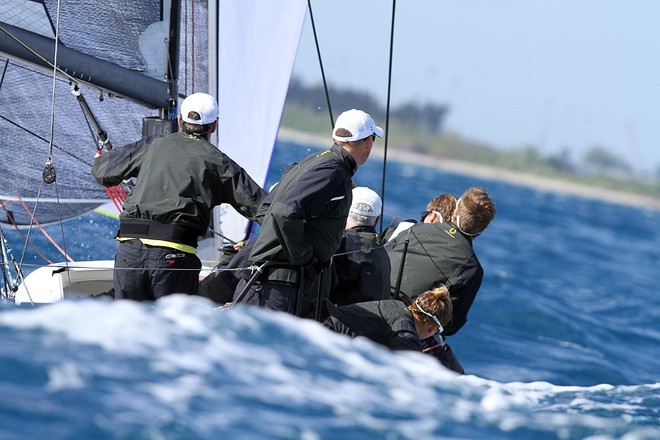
{"x": 52, "y": 102}
{"x": 389, "y": 89}
{"x": 387, "y": 114}
{"x": 10, "y": 283}
{"x": 47, "y": 178}
{"x": 318, "y": 52}
{"x": 49, "y": 175}
{"x": 188, "y": 41}
{"x": 185, "y": 52}
{"x": 41, "y": 228}
{"x": 41, "y": 138}
{"x": 192, "y": 50}
{"x": 10, "y": 217}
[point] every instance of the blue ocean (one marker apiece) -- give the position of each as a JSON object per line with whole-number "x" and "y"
{"x": 562, "y": 342}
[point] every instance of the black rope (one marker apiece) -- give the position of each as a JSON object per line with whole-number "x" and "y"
{"x": 387, "y": 114}
{"x": 227, "y": 239}
{"x": 41, "y": 138}
{"x": 318, "y": 52}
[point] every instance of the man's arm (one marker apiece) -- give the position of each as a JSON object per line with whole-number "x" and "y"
{"x": 462, "y": 297}
{"x": 240, "y": 190}
{"x": 119, "y": 164}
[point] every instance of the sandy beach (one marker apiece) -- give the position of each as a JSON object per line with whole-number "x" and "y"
{"x": 493, "y": 173}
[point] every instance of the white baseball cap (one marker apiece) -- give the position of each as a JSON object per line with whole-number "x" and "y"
{"x": 358, "y": 123}
{"x": 204, "y": 104}
{"x": 362, "y": 194}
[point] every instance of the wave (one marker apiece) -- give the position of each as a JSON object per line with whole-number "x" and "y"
{"x": 179, "y": 368}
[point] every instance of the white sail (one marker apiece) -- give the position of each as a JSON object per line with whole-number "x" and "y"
{"x": 256, "y": 46}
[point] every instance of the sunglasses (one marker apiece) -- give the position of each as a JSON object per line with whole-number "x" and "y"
{"x": 433, "y": 317}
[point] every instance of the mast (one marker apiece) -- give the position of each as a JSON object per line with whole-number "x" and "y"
{"x": 173, "y": 52}
{"x": 166, "y": 122}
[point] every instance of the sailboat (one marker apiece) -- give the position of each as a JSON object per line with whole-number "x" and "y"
{"x": 83, "y": 78}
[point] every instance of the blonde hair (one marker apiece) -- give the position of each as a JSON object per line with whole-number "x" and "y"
{"x": 435, "y": 301}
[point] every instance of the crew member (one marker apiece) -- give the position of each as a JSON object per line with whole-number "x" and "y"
{"x": 180, "y": 178}
{"x": 303, "y": 225}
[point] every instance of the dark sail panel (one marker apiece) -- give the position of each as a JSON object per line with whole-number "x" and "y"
{"x": 133, "y": 37}
{"x": 127, "y": 34}
{"x": 25, "y": 120}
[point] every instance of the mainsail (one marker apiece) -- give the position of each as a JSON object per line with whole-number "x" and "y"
{"x": 103, "y": 48}
{"x": 119, "y": 54}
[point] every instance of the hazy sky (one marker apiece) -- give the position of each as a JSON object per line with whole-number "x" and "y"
{"x": 556, "y": 74}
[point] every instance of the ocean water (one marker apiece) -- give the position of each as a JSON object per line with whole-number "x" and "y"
{"x": 563, "y": 342}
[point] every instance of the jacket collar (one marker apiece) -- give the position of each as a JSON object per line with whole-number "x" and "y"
{"x": 346, "y": 157}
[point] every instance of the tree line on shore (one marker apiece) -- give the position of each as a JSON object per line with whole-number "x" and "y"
{"x": 420, "y": 127}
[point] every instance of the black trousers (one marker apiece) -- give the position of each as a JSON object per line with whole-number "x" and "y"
{"x": 146, "y": 273}
{"x": 280, "y": 296}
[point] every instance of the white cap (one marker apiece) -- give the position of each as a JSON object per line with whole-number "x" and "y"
{"x": 358, "y": 123}
{"x": 362, "y": 194}
{"x": 204, "y": 104}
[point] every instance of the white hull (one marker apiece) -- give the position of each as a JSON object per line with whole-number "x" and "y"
{"x": 58, "y": 281}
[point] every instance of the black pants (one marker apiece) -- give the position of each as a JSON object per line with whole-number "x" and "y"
{"x": 146, "y": 273}
{"x": 280, "y": 296}
{"x": 220, "y": 286}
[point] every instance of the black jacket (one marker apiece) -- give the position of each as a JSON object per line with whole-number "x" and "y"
{"x": 180, "y": 179}
{"x": 386, "y": 322}
{"x": 438, "y": 253}
{"x": 303, "y": 222}
{"x": 361, "y": 268}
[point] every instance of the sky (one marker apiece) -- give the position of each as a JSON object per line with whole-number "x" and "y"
{"x": 560, "y": 75}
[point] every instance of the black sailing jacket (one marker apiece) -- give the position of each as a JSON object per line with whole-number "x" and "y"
{"x": 180, "y": 179}
{"x": 386, "y": 322}
{"x": 361, "y": 268}
{"x": 304, "y": 221}
{"x": 438, "y": 253}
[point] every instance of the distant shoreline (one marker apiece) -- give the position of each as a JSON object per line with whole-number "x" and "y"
{"x": 494, "y": 173}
